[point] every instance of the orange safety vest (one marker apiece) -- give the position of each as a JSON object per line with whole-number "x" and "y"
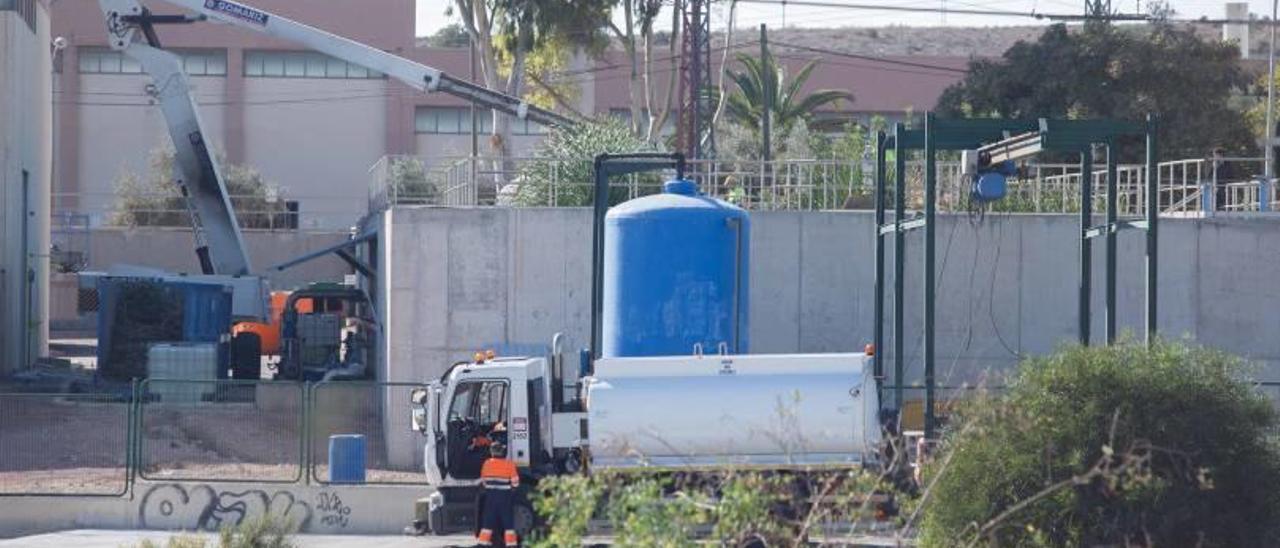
{"x": 499, "y": 474}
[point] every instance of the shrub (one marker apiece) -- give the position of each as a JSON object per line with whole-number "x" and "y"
{"x": 155, "y": 200}
{"x": 562, "y": 171}
{"x": 1120, "y": 445}
{"x": 261, "y": 532}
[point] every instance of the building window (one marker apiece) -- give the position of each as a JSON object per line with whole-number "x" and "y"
{"x": 458, "y": 120}
{"x": 450, "y": 120}
{"x": 195, "y": 62}
{"x": 26, "y": 10}
{"x": 301, "y": 64}
{"x": 526, "y": 127}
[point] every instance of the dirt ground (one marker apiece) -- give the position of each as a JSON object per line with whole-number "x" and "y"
{"x": 54, "y": 444}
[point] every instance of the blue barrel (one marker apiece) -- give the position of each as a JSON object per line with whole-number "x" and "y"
{"x": 675, "y": 275}
{"x": 346, "y": 458}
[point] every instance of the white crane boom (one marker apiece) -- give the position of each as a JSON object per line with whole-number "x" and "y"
{"x": 219, "y": 242}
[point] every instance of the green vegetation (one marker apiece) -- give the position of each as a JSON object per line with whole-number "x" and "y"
{"x": 407, "y": 178}
{"x": 155, "y": 199}
{"x": 762, "y": 81}
{"x": 1109, "y": 71}
{"x": 735, "y": 507}
{"x": 562, "y": 171}
{"x": 1111, "y": 446}
{"x": 260, "y": 532}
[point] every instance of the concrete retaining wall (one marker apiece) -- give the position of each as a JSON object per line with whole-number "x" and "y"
{"x": 196, "y": 506}
{"x": 460, "y": 279}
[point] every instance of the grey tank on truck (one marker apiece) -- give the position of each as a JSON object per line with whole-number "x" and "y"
{"x": 772, "y": 411}
{"x": 756, "y": 410}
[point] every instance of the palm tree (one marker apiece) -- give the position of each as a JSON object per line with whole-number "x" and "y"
{"x": 763, "y": 81}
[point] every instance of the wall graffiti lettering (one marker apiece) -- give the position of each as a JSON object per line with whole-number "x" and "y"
{"x": 333, "y": 512}
{"x": 172, "y": 506}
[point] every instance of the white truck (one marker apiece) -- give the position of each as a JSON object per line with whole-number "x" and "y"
{"x": 765, "y": 411}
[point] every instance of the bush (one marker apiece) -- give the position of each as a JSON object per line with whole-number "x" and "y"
{"x": 155, "y": 200}
{"x": 261, "y": 532}
{"x": 738, "y": 507}
{"x": 407, "y": 177}
{"x": 562, "y": 172}
{"x": 1120, "y": 445}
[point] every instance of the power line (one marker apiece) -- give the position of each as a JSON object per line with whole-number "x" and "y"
{"x": 1062, "y": 17}
{"x": 884, "y": 60}
{"x": 959, "y": 11}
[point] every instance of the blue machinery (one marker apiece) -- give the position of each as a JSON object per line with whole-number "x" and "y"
{"x": 999, "y": 141}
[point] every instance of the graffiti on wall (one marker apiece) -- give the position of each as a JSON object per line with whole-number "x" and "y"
{"x": 173, "y": 506}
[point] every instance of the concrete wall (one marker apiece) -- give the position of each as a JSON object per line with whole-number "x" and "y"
{"x": 463, "y": 279}
{"x": 26, "y": 137}
{"x": 206, "y": 507}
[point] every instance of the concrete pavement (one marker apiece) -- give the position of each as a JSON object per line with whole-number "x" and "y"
{"x": 98, "y": 538}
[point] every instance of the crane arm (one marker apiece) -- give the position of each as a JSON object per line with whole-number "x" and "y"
{"x": 219, "y": 242}
{"x": 413, "y": 74}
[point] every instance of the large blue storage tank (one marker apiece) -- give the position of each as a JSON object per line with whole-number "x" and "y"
{"x": 675, "y": 275}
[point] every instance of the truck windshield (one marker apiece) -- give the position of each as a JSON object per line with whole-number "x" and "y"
{"x": 484, "y": 402}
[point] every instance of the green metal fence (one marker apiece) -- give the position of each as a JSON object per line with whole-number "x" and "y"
{"x": 221, "y": 430}
{"x": 66, "y": 444}
{"x": 202, "y": 431}
{"x": 379, "y": 411}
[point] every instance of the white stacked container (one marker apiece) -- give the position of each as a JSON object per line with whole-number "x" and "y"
{"x": 170, "y": 362}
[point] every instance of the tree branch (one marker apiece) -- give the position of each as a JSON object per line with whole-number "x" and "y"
{"x": 559, "y": 98}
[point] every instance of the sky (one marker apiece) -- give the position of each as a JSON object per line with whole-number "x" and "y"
{"x": 431, "y": 13}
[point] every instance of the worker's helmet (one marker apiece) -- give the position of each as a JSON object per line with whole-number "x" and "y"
{"x": 498, "y": 450}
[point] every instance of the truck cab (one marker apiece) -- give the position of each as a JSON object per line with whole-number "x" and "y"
{"x": 494, "y": 399}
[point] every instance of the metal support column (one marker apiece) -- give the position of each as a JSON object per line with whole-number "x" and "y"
{"x": 899, "y": 261}
{"x": 878, "y": 336}
{"x": 1113, "y": 156}
{"x": 1153, "y": 221}
{"x": 930, "y": 235}
{"x": 1086, "y": 247}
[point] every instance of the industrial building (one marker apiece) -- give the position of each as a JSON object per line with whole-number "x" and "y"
{"x": 314, "y": 125}
{"x": 26, "y": 137}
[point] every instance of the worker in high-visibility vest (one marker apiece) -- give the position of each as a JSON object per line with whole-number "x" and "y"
{"x": 500, "y": 480}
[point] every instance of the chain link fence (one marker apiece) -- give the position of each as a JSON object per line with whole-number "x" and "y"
{"x": 65, "y": 444}
{"x": 221, "y": 430}
{"x": 376, "y": 410}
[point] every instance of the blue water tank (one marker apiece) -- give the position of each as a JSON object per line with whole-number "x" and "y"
{"x": 675, "y": 275}
{"x": 346, "y": 458}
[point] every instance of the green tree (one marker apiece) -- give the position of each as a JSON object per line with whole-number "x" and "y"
{"x": 407, "y": 178}
{"x": 562, "y": 169}
{"x": 449, "y": 36}
{"x": 154, "y": 199}
{"x": 1111, "y": 446}
{"x": 1106, "y": 71}
{"x": 510, "y": 33}
{"x": 762, "y": 81}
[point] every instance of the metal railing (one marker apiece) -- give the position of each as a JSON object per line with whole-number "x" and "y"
{"x": 1185, "y": 185}
{"x": 288, "y": 213}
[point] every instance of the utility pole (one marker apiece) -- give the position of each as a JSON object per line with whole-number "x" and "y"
{"x": 475, "y": 139}
{"x": 1270, "y": 132}
{"x": 766, "y": 96}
